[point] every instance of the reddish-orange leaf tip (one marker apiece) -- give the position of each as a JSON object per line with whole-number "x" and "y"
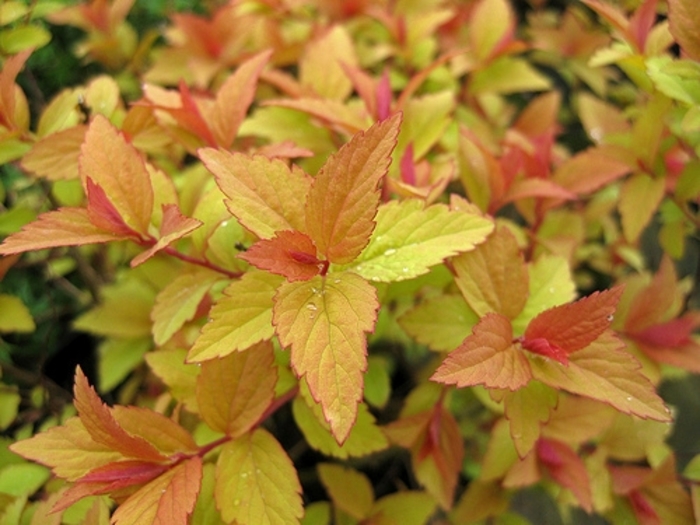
{"x": 561, "y": 330}
{"x": 291, "y": 254}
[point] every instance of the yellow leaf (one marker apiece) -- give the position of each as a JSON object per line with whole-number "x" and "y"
{"x": 349, "y": 489}
{"x": 241, "y": 318}
{"x": 365, "y": 437}
{"x": 256, "y": 482}
{"x": 177, "y": 303}
{"x": 68, "y": 449}
{"x": 264, "y": 194}
{"x": 233, "y": 392}
{"x": 14, "y": 316}
{"x": 324, "y": 321}
{"x": 320, "y": 65}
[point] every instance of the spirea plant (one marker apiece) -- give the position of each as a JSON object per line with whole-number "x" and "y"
{"x": 388, "y": 263}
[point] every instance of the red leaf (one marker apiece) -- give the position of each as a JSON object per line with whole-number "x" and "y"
{"x": 566, "y": 468}
{"x": 102, "y": 212}
{"x": 487, "y": 357}
{"x": 564, "y": 329}
{"x": 645, "y": 513}
{"x": 108, "y": 478}
{"x": 291, "y": 254}
{"x": 104, "y": 429}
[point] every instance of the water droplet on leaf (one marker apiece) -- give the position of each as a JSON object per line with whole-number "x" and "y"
{"x": 312, "y": 307}
{"x": 390, "y": 251}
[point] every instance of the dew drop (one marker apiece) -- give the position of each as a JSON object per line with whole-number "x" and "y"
{"x": 224, "y": 224}
{"x": 629, "y": 398}
{"x": 404, "y": 269}
{"x": 390, "y": 251}
{"x": 314, "y": 290}
{"x": 336, "y": 281}
{"x": 311, "y": 316}
{"x": 162, "y": 491}
{"x": 610, "y": 318}
{"x": 312, "y": 307}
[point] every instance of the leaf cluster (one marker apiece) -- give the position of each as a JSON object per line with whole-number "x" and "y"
{"x": 319, "y": 240}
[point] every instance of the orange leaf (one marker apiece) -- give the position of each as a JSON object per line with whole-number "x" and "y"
{"x": 63, "y": 227}
{"x": 233, "y": 392}
{"x": 344, "y": 197}
{"x": 167, "y": 500}
{"x": 10, "y": 69}
{"x": 324, "y": 321}
{"x": 652, "y": 304}
{"x": 160, "y": 431}
{"x": 104, "y": 428}
{"x": 289, "y": 253}
{"x": 234, "y": 98}
{"x": 493, "y": 277}
{"x": 564, "y": 329}
{"x": 173, "y": 227}
{"x": 487, "y": 357}
{"x": 606, "y": 372}
{"x": 118, "y": 168}
{"x": 684, "y": 17}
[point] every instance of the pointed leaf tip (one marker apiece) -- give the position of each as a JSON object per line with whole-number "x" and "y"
{"x": 344, "y": 197}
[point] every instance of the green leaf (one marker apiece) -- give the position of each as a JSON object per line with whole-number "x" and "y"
{"x": 241, "y": 318}
{"x": 425, "y": 121}
{"x": 551, "y": 284}
{"x": 22, "y": 479}
{"x": 12, "y": 149}
{"x": 15, "y": 315}
{"x": 124, "y": 311}
{"x": 410, "y": 507}
{"x": 18, "y": 39}
{"x": 177, "y": 303}
{"x": 324, "y": 320}
{"x": 410, "y": 238}
{"x": 639, "y": 199}
{"x": 9, "y": 403}
{"x": 256, "y": 482}
{"x": 320, "y": 66}
{"x": 119, "y": 357}
{"x": 441, "y": 322}
{"x": 179, "y": 376}
{"x": 12, "y": 220}
{"x": 377, "y": 382}
{"x": 526, "y": 410}
{"x": 508, "y": 75}
{"x": 365, "y": 436}
{"x": 317, "y": 513}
